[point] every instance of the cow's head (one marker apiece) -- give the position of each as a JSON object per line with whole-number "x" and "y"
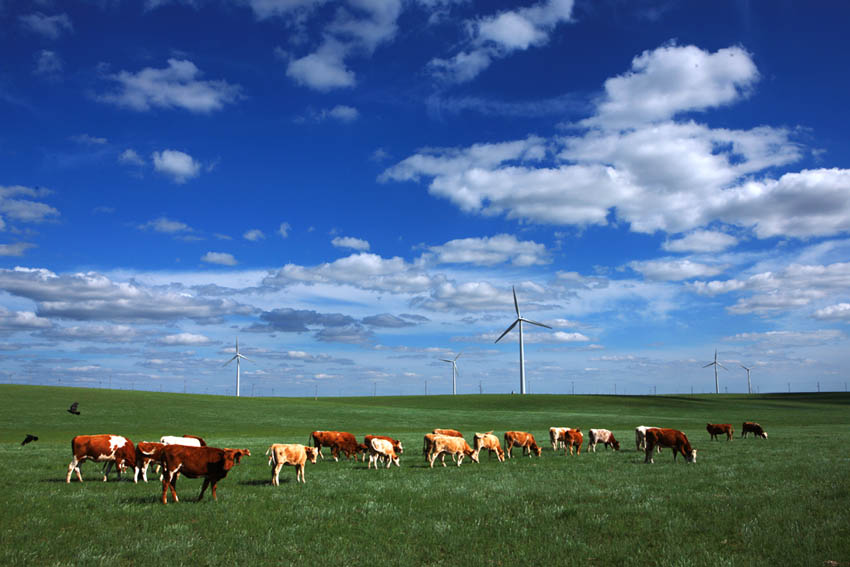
{"x": 534, "y": 447}
{"x": 615, "y": 444}
{"x": 692, "y": 458}
{"x": 763, "y": 434}
{"x": 237, "y": 454}
{"x": 473, "y": 455}
{"x": 312, "y": 454}
{"x": 398, "y": 448}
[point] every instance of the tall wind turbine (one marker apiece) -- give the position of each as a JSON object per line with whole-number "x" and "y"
{"x": 236, "y": 357}
{"x": 715, "y": 364}
{"x": 749, "y": 384}
{"x": 520, "y": 320}
{"x": 454, "y": 372}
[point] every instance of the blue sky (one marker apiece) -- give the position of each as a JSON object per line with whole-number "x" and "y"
{"x": 353, "y": 188}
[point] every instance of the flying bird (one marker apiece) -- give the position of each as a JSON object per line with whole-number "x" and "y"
{"x": 29, "y": 438}
{"x": 73, "y": 408}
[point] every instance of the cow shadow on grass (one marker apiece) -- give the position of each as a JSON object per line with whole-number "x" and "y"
{"x": 258, "y": 482}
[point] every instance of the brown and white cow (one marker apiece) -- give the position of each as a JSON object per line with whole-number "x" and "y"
{"x": 521, "y": 439}
{"x": 380, "y": 448}
{"x": 555, "y": 434}
{"x": 572, "y": 439}
{"x": 337, "y": 441}
{"x": 754, "y": 428}
{"x": 640, "y": 437}
{"x": 455, "y": 446}
{"x": 293, "y": 454}
{"x": 491, "y": 443}
{"x": 676, "y": 440}
{"x": 397, "y": 445}
{"x": 604, "y": 436}
{"x": 109, "y": 449}
{"x": 146, "y": 453}
{"x": 185, "y": 440}
{"x": 211, "y": 463}
{"x": 715, "y": 429}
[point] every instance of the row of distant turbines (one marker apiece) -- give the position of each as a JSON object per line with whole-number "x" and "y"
{"x": 517, "y": 322}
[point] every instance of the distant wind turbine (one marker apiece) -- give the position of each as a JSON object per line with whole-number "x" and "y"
{"x": 454, "y": 372}
{"x": 520, "y": 320}
{"x": 749, "y": 384}
{"x": 715, "y": 364}
{"x": 236, "y": 357}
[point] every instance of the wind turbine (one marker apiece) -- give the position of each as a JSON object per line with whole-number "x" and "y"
{"x": 520, "y": 320}
{"x": 236, "y": 357}
{"x": 454, "y": 372}
{"x": 749, "y": 385}
{"x": 715, "y": 364}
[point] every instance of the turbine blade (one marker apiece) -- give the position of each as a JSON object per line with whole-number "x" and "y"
{"x": 229, "y": 361}
{"x": 516, "y": 305}
{"x": 508, "y": 330}
{"x": 536, "y": 323}
{"x": 709, "y": 364}
{"x": 445, "y": 360}
{"x": 244, "y": 357}
{"x": 458, "y": 355}
{"x": 723, "y": 367}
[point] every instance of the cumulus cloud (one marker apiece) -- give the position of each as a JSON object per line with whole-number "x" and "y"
{"x": 674, "y": 270}
{"x": 177, "y": 86}
{"x": 387, "y": 320}
{"x": 16, "y": 249}
{"x": 184, "y": 339}
{"x": 837, "y": 312}
{"x": 322, "y": 70}
{"x": 166, "y": 225}
{"x": 51, "y": 27}
{"x": 221, "y": 258}
{"x": 178, "y": 165}
{"x": 48, "y": 64}
{"x": 96, "y": 333}
{"x": 283, "y": 229}
{"x": 701, "y": 241}
{"x": 11, "y": 321}
{"x": 489, "y": 251}
{"x": 130, "y": 157}
{"x": 16, "y": 204}
{"x": 350, "y": 242}
{"x": 290, "y": 320}
{"x": 254, "y": 235}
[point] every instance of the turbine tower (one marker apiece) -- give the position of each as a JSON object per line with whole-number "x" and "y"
{"x": 236, "y": 357}
{"x": 520, "y": 320}
{"x": 715, "y": 364}
{"x": 749, "y": 384}
{"x": 454, "y": 372}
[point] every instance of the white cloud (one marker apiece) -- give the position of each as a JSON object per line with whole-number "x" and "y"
{"x": 25, "y": 210}
{"x": 222, "y": 258}
{"x": 343, "y": 113}
{"x": 284, "y": 229}
{"x": 51, "y": 27}
{"x": 178, "y": 165}
{"x": 350, "y": 242}
{"x": 674, "y": 270}
{"x": 89, "y": 140}
{"x": 176, "y": 86}
{"x": 323, "y": 70}
{"x": 22, "y": 321}
{"x": 130, "y": 157}
{"x": 254, "y": 235}
{"x": 489, "y": 251}
{"x": 16, "y": 249}
{"x": 701, "y": 241}
{"x": 264, "y": 9}
{"x": 48, "y": 64}
{"x": 838, "y": 312}
{"x": 165, "y": 225}
{"x": 185, "y": 339}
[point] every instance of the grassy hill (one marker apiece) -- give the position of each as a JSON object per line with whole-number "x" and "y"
{"x": 781, "y": 501}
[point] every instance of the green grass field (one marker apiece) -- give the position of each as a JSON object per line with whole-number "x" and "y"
{"x": 783, "y": 501}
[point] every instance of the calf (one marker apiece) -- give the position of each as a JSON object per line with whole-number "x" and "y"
{"x": 491, "y": 443}
{"x": 146, "y": 453}
{"x": 110, "y": 449}
{"x": 715, "y": 429}
{"x": 443, "y": 444}
{"x": 211, "y": 463}
{"x": 672, "y": 438}
{"x": 754, "y": 428}
{"x": 596, "y": 436}
{"x": 381, "y": 448}
{"x": 640, "y": 437}
{"x": 294, "y": 454}
{"x": 521, "y": 439}
{"x": 398, "y": 448}
{"x": 555, "y": 434}
{"x": 572, "y": 439}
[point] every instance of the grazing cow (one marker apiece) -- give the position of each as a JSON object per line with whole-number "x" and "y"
{"x": 521, "y": 439}
{"x": 596, "y": 436}
{"x": 754, "y": 428}
{"x": 293, "y": 454}
{"x": 380, "y": 448}
{"x": 640, "y": 437}
{"x": 555, "y": 433}
{"x": 367, "y": 441}
{"x": 715, "y": 429}
{"x": 111, "y": 449}
{"x": 572, "y": 439}
{"x": 200, "y": 439}
{"x": 146, "y": 453}
{"x": 491, "y": 443}
{"x": 337, "y": 441}
{"x": 676, "y": 440}
{"x": 186, "y": 440}
{"x": 211, "y": 463}
{"x": 444, "y": 444}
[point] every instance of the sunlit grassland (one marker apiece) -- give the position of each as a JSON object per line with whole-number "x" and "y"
{"x": 783, "y": 501}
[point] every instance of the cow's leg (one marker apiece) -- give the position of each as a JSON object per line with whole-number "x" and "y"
{"x": 460, "y": 459}
{"x": 165, "y": 491}
{"x": 649, "y": 452}
{"x": 276, "y": 474}
{"x": 335, "y": 453}
{"x": 204, "y": 488}
{"x": 107, "y": 466}
{"x": 72, "y": 467}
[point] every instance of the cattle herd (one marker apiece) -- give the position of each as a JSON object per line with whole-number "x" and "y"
{"x": 190, "y": 456}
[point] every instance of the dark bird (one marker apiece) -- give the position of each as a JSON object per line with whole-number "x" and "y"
{"x": 73, "y": 408}
{"x": 29, "y": 438}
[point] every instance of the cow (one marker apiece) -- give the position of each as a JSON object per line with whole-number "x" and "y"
{"x": 715, "y": 429}
{"x": 110, "y": 449}
{"x": 754, "y": 428}
{"x": 491, "y": 443}
{"x": 555, "y": 433}
{"x": 293, "y": 454}
{"x": 572, "y": 439}
{"x": 337, "y": 441}
{"x": 447, "y": 432}
{"x": 211, "y": 463}
{"x": 381, "y": 448}
{"x": 521, "y": 439}
{"x": 676, "y": 440}
{"x": 200, "y": 439}
{"x": 640, "y": 437}
{"x": 146, "y": 453}
{"x": 364, "y": 447}
{"x": 444, "y": 444}
{"x": 186, "y": 440}
{"x": 596, "y": 436}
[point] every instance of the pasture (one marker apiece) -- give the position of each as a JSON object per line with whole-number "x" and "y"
{"x": 781, "y": 501}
